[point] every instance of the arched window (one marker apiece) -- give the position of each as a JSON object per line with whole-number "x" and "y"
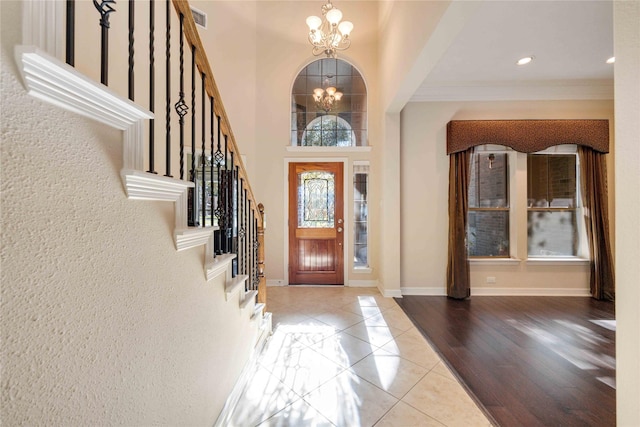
{"x": 329, "y": 105}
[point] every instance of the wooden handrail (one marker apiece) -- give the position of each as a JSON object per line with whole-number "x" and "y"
{"x": 202, "y": 62}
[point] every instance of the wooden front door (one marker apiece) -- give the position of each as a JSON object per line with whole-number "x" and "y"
{"x": 316, "y": 223}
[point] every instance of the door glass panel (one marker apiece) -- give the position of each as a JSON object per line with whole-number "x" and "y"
{"x": 316, "y": 199}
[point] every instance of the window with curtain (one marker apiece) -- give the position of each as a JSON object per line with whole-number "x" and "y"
{"x": 488, "y": 215}
{"x": 337, "y": 122}
{"x": 553, "y": 216}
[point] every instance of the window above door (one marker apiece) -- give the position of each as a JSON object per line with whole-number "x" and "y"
{"x": 329, "y": 106}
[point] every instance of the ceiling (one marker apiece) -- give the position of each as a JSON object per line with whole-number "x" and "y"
{"x": 569, "y": 40}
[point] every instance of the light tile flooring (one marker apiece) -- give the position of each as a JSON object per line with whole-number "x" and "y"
{"x": 349, "y": 357}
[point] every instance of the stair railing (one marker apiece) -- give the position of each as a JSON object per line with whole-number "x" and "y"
{"x": 220, "y": 197}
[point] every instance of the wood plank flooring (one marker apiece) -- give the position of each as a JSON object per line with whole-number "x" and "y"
{"x": 529, "y": 361}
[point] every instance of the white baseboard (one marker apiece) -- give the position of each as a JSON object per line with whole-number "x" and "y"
{"x": 564, "y": 292}
{"x": 363, "y": 283}
{"x": 390, "y": 293}
{"x": 276, "y": 282}
{"x": 537, "y": 292}
{"x": 433, "y": 291}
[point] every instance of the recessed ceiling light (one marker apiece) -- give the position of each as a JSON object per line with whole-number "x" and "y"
{"x": 611, "y": 60}
{"x": 525, "y": 60}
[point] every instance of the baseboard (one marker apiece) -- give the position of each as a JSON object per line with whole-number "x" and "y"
{"x": 276, "y": 282}
{"x": 363, "y": 283}
{"x": 432, "y": 291}
{"x": 390, "y": 293}
{"x": 537, "y": 292}
{"x": 498, "y": 292}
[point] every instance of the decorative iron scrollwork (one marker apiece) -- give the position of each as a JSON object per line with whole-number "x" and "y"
{"x": 218, "y": 157}
{"x": 181, "y": 108}
{"x": 105, "y": 8}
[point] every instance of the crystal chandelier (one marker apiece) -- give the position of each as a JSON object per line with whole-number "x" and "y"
{"x": 327, "y": 99}
{"x": 328, "y": 35}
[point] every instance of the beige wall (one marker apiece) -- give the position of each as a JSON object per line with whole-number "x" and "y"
{"x": 627, "y": 160}
{"x": 263, "y": 46}
{"x": 103, "y": 322}
{"x": 424, "y": 178}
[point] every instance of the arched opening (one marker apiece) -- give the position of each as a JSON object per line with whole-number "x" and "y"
{"x": 329, "y": 105}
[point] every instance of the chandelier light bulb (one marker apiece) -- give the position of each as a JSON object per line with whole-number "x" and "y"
{"x": 334, "y": 16}
{"x": 345, "y": 28}
{"x": 337, "y": 96}
{"x": 331, "y": 90}
{"x": 314, "y": 22}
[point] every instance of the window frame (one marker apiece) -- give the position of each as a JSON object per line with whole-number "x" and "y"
{"x": 359, "y": 134}
{"x": 582, "y": 251}
{"x": 363, "y": 168}
{"x": 510, "y": 192}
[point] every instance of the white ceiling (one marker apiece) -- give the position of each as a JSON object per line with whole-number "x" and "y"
{"x": 570, "y": 41}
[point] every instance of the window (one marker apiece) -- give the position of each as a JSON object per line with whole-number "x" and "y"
{"x": 203, "y": 183}
{"x": 341, "y": 124}
{"x": 330, "y": 131}
{"x": 552, "y": 203}
{"x": 360, "y": 215}
{"x": 488, "y": 216}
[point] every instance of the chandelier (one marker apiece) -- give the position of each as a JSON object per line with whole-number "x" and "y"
{"x": 328, "y": 35}
{"x": 327, "y": 99}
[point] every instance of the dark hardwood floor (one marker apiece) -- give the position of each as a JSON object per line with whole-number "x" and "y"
{"x": 530, "y": 361}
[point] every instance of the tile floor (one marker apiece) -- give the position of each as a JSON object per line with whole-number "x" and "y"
{"x": 349, "y": 357}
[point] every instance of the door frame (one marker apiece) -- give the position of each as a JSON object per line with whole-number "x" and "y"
{"x": 347, "y": 178}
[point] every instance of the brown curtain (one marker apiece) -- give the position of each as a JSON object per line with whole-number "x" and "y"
{"x": 458, "y": 280}
{"x": 594, "y": 196}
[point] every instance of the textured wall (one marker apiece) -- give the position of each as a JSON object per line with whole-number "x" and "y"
{"x": 103, "y": 322}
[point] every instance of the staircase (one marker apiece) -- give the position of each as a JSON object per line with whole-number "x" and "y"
{"x": 215, "y": 207}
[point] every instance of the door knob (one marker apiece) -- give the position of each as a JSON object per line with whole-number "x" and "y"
{"x": 339, "y": 229}
{"x": 340, "y": 221}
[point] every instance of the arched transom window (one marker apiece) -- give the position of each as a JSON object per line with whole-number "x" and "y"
{"x": 329, "y": 105}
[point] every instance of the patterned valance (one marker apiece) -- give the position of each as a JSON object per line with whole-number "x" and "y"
{"x": 527, "y": 136}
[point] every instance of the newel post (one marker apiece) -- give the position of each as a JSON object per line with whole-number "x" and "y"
{"x": 262, "y": 285}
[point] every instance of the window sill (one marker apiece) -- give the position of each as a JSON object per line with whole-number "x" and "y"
{"x": 494, "y": 261}
{"x": 297, "y": 149}
{"x": 362, "y": 270}
{"x": 558, "y": 261}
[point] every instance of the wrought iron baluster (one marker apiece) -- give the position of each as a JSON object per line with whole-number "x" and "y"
{"x": 105, "y": 8}
{"x": 192, "y": 177}
{"x": 211, "y": 120}
{"x": 152, "y": 83}
{"x": 236, "y": 216}
{"x": 218, "y": 158}
{"x": 250, "y": 246}
{"x": 167, "y": 116}
{"x": 70, "y": 32}
{"x": 204, "y": 156}
{"x": 256, "y": 245}
{"x": 230, "y": 210}
{"x": 240, "y": 225}
{"x": 225, "y": 202}
{"x": 244, "y": 229}
{"x": 181, "y": 106}
{"x": 132, "y": 18}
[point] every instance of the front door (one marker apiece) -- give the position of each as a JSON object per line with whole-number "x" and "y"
{"x": 316, "y": 223}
